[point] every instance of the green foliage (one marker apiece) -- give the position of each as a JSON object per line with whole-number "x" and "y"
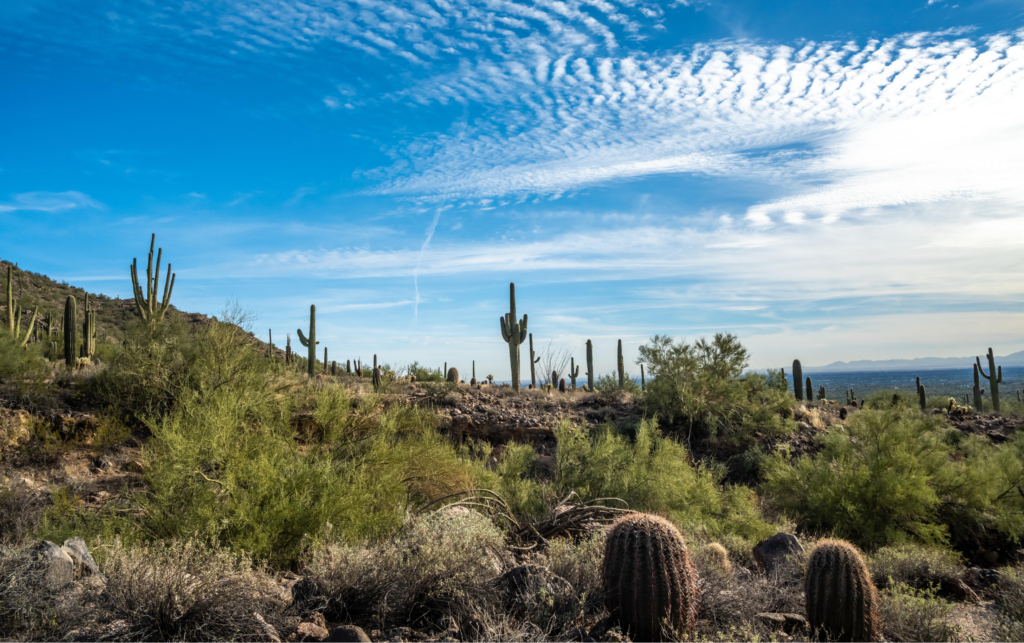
{"x": 110, "y": 433}
{"x": 653, "y": 473}
{"x": 916, "y": 614}
{"x": 424, "y": 374}
{"x": 701, "y": 387}
{"x": 891, "y": 476}
{"x": 25, "y": 366}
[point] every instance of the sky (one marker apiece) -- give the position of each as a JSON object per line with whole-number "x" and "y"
{"x": 827, "y": 180}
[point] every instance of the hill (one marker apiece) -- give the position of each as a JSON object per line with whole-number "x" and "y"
{"x": 35, "y": 291}
{"x": 916, "y": 364}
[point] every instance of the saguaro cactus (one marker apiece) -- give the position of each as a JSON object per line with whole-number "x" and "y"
{"x": 288, "y": 349}
{"x": 643, "y": 379}
{"x": 921, "y": 396}
{"x": 590, "y": 365}
{"x": 533, "y": 364}
{"x": 993, "y": 380}
{"x": 798, "y": 380}
{"x": 810, "y": 389}
{"x": 70, "y": 331}
{"x": 89, "y": 330}
{"x": 622, "y": 368}
{"x": 325, "y": 360}
{"x": 146, "y": 302}
{"x": 649, "y": 581}
{"x": 311, "y": 342}
{"x": 978, "y": 391}
{"x": 377, "y": 382}
{"x": 14, "y": 312}
{"x": 514, "y": 333}
{"x": 574, "y": 372}
{"x": 472, "y": 381}
{"x": 842, "y": 603}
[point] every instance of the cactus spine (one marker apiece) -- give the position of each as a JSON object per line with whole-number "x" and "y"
{"x": 622, "y": 368}
{"x": 649, "y": 581}
{"x": 798, "y": 378}
{"x": 574, "y": 371}
{"x": 921, "y": 396}
{"x": 513, "y": 332}
{"x": 146, "y": 302}
{"x": 311, "y": 342}
{"x": 993, "y": 379}
{"x": 590, "y": 365}
{"x": 842, "y": 603}
{"x": 70, "y": 331}
{"x": 533, "y": 363}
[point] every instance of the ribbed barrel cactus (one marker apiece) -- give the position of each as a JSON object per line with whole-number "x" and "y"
{"x": 649, "y": 581}
{"x": 842, "y": 603}
{"x": 513, "y": 331}
{"x": 452, "y": 375}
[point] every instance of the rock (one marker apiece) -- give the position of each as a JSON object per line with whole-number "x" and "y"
{"x": 53, "y": 564}
{"x": 309, "y": 632}
{"x": 982, "y": 578}
{"x": 76, "y": 549}
{"x": 780, "y": 621}
{"x": 958, "y": 590}
{"x": 771, "y": 553}
{"x": 348, "y": 634}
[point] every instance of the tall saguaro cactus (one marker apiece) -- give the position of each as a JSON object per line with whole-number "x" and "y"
{"x": 643, "y": 379}
{"x": 311, "y": 342}
{"x": 810, "y": 390}
{"x": 146, "y": 302}
{"x": 798, "y": 380}
{"x": 993, "y": 379}
{"x": 514, "y": 333}
{"x": 533, "y": 362}
{"x": 978, "y": 391}
{"x": 89, "y": 330}
{"x": 14, "y": 312}
{"x": 70, "y": 331}
{"x": 622, "y": 368}
{"x": 590, "y": 365}
{"x": 574, "y": 371}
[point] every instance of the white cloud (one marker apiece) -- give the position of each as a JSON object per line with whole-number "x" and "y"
{"x": 50, "y": 202}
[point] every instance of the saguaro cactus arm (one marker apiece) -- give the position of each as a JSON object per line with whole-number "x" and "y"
{"x": 145, "y": 300}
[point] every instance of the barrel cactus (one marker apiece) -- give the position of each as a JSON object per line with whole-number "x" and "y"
{"x": 649, "y": 582}
{"x": 842, "y": 603}
{"x": 453, "y": 375}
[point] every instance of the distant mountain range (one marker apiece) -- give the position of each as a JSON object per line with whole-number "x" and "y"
{"x": 917, "y": 364}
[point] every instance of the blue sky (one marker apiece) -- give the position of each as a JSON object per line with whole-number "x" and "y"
{"x": 828, "y": 180}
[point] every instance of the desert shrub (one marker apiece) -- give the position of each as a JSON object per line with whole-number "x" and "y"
{"x": 110, "y": 433}
{"x": 442, "y": 393}
{"x": 701, "y": 387}
{"x": 1009, "y": 595}
{"x": 579, "y": 562}
{"x": 424, "y": 374}
{"x": 653, "y": 473}
{"x": 331, "y": 411}
{"x": 23, "y": 366}
{"x": 911, "y": 614}
{"x": 517, "y": 480}
{"x": 889, "y": 476}
{"x": 439, "y": 566}
{"x": 186, "y": 591}
{"x": 29, "y": 608}
{"x": 21, "y": 510}
{"x": 915, "y": 566}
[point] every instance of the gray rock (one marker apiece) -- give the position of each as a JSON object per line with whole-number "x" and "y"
{"x": 85, "y": 565}
{"x": 348, "y": 634}
{"x": 776, "y": 621}
{"x": 53, "y": 564}
{"x": 771, "y": 553}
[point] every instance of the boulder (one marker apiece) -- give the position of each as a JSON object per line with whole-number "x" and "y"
{"x": 348, "y": 634}
{"x": 84, "y": 565}
{"x": 53, "y": 564}
{"x": 785, "y": 622}
{"x": 771, "y": 553}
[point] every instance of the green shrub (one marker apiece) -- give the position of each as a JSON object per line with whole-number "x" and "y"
{"x": 653, "y": 473}
{"x": 888, "y": 476}
{"x": 701, "y": 387}
{"x": 23, "y": 366}
{"x": 424, "y": 374}
{"x": 916, "y": 566}
{"x": 1009, "y": 595}
{"x": 911, "y": 614}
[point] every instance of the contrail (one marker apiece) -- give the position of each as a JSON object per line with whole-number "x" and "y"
{"x": 426, "y": 242}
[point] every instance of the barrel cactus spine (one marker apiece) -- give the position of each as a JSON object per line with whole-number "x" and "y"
{"x": 841, "y": 599}
{"x": 648, "y": 579}
{"x": 798, "y": 380}
{"x": 993, "y": 380}
{"x": 149, "y": 308}
{"x": 310, "y": 343}
{"x": 513, "y": 331}
{"x": 70, "y": 332}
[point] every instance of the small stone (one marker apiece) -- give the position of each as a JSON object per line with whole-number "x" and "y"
{"x": 782, "y": 621}
{"x": 348, "y": 634}
{"x": 309, "y": 632}
{"x": 55, "y": 565}
{"x": 772, "y": 553}
{"x": 77, "y": 550}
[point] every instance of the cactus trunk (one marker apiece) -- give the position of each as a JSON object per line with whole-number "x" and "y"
{"x": 574, "y": 372}
{"x": 590, "y": 365}
{"x": 70, "y": 331}
{"x": 311, "y": 342}
{"x": 622, "y": 368}
{"x": 810, "y": 389}
{"x": 993, "y": 378}
{"x": 921, "y": 396}
{"x": 798, "y": 380}
{"x": 533, "y": 363}
{"x": 643, "y": 380}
